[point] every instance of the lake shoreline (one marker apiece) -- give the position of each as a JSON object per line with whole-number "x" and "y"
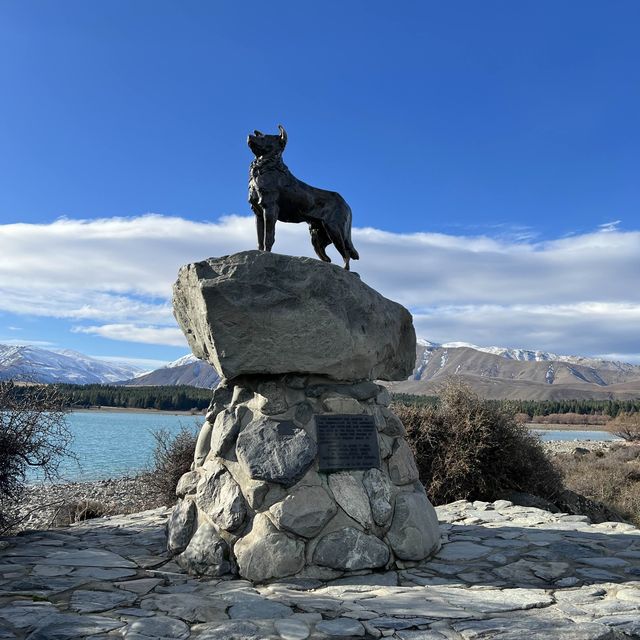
{"x": 158, "y": 412}
{"x": 560, "y": 426}
{"x": 530, "y": 425}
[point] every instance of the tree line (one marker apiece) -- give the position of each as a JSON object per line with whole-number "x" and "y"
{"x": 533, "y": 408}
{"x": 186, "y": 398}
{"x": 166, "y": 398}
{"x": 611, "y": 408}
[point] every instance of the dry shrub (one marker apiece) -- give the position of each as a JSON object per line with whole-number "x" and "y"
{"x": 623, "y": 453}
{"x": 172, "y": 457}
{"x": 81, "y": 510}
{"x": 33, "y": 434}
{"x": 612, "y": 478}
{"x": 468, "y": 448}
{"x": 627, "y": 426}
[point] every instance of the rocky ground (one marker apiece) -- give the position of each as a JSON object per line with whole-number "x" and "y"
{"x": 568, "y": 446}
{"x": 503, "y": 572}
{"x": 44, "y": 505}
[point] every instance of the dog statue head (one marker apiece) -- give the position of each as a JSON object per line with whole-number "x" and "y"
{"x": 267, "y": 145}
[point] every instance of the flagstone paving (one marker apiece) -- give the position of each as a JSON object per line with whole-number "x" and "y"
{"x": 506, "y": 572}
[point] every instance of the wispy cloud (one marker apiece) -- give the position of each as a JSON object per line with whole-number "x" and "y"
{"x": 610, "y": 226}
{"x": 13, "y": 342}
{"x": 501, "y": 230}
{"x": 134, "y": 333}
{"x": 144, "y": 363}
{"x": 112, "y": 277}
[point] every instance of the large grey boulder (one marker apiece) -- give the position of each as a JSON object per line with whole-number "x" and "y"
{"x": 187, "y": 484}
{"x": 220, "y": 497}
{"x": 352, "y": 497}
{"x": 207, "y": 553}
{"x": 180, "y": 525}
{"x": 267, "y": 553}
{"x": 352, "y": 550}
{"x": 379, "y": 489}
{"x": 402, "y": 466}
{"x": 414, "y": 533}
{"x": 275, "y": 451}
{"x": 304, "y": 511}
{"x": 258, "y": 312}
{"x": 225, "y": 430}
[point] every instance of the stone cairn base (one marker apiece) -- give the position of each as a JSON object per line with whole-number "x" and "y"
{"x": 256, "y": 504}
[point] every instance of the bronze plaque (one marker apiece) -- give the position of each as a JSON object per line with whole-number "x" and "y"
{"x": 347, "y": 442}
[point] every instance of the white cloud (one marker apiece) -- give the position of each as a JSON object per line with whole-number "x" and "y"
{"x": 112, "y": 277}
{"x": 582, "y": 328}
{"x": 132, "y": 333}
{"x": 148, "y": 364}
{"x": 610, "y": 226}
{"x": 81, "y": 303}
{"x": 13, "y": 342}
{"x": 633, "y": 358}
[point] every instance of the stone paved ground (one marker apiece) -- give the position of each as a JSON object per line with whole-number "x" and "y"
{"x": 506, "y": 572}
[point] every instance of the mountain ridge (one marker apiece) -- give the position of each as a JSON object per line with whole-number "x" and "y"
{"x": 28, "y": 363}
{"x": 187, "y": 370}
{"x": 493, "y": 372}
{"x": 501, "y": 373}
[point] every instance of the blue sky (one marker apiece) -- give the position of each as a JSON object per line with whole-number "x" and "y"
{"x": 498, "y": 141}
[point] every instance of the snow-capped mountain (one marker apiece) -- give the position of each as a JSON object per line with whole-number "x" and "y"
{"x": 527, "y": 355}
{"x": 494, "y": 372}
{"x": 34, "y": 364}
{"x": 500, "y": 372}
{"x": 180, "y": 362}
{"x": 185, "y": 370}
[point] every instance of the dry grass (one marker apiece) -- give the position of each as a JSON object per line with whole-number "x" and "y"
{"x": 468, "y": 448}
{"x": 79, "y": 511}
{"x": 610, "y": 477}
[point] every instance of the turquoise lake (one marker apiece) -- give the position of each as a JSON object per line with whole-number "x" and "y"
{"x": 109, "y": 444}
{"x": 116, "y": 443}
{"x": 553, "y": 435}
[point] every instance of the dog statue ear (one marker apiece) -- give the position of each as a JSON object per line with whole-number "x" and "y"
{"x": 283, "y": 136}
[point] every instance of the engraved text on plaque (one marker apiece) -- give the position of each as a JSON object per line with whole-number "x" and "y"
{"x": 347, "y": 442}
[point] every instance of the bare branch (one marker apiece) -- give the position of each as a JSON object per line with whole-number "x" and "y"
{"x": 33, "y": 434}
{"x": 626, "y": 426}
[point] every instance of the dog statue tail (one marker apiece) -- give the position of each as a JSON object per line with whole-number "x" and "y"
{"x": 351, "y": 249}
{"x": 347, "y": 237}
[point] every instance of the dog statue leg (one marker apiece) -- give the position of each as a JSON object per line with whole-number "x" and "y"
{"x": 320, "y": 240}
{"x": 260, "y": 230}
{"x": 259, "y": 225}
{"x": 270, "y": 218}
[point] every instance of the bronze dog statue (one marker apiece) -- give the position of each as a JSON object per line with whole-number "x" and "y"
{"x": 276, "y": 194}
